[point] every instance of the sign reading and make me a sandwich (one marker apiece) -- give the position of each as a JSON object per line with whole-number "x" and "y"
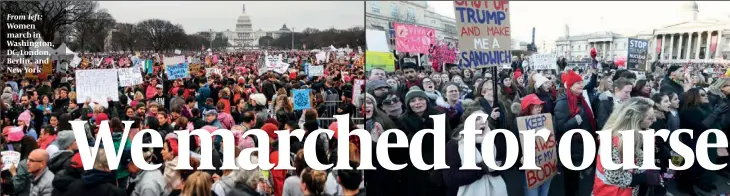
{"x": 484, "y": 33}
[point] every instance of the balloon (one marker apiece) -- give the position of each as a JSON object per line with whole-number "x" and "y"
{"x": 620, "y": 61}
{"x": 594, "y": 52}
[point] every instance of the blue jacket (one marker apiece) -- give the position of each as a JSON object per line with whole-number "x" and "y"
{"x": 203, "y": 94}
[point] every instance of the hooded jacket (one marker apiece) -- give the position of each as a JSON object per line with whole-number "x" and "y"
{"x": 60, "y": 160}
{"x": 148, "y": 183}
{"x": 95, "y": 182}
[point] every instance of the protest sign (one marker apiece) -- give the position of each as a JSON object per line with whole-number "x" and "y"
{"x": 47, "y": 69}
{"x": 321, "y": 56}
{"x": 177, "y": 71}
{"x": 382, "y": 60}
{"x": 178, "y": 51}
{"x": 376, "y": 41}
{"x": 357, "y": 90}
{"x": 76, "y": 62}
{"x": 215, "y": 59}
{"x": 194, "y": 68}
{"x": 637, "y": 52}
{"x": 316, "y": 70}
{"x": 273, "y": 63}
{"x": 148, "y": 66}
{"x": 173, "y": 60}
{"x": 484, "y": 38}
{"x": 546, "y": 154}
{"x": 412, "y": 38}
{"x": 300, "y": 97}
{"x": 442, "y": 53}
{"x": 10, "y": 158}
{"x": 211, "y": 71}
{"x": 129, "y": 76}
{"x": 97, "y": 84}
{"x": 544, "y": 61}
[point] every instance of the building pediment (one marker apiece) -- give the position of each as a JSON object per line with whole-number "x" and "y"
{"x": 693, "y": 25}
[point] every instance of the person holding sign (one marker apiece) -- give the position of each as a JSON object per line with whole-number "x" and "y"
{"x": 485, "y": 181}
{"x": 636, "y": 114}
{"x": 531, "y": 117}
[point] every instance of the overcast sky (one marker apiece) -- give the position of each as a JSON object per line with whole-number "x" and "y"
{"x": 627, "y": 17}
{"x": 221, "y": 15}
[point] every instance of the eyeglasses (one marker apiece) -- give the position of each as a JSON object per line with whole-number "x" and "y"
{"x": 391, "y": 101}
{"x": 35, "y": 161}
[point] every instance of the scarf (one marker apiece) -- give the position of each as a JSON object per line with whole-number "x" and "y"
{"x": 573, "y": 106}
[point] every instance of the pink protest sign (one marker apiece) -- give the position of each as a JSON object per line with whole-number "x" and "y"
{"x": 443, "y": 53}
{"x": 411, "y": 38}
{"x": 215, "y": 59}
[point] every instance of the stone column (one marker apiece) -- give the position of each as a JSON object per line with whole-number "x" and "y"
{"x": 679, "y": 46}
{"x": 697, "y": 48}
{"x": 689, "y": 46}
{"x": 653, "y": 49}
{"x": 718, "y": 52}
{"x": 707, "y": 45}
{"x": 671, "y": 48}
{"x": 664, "y": 44}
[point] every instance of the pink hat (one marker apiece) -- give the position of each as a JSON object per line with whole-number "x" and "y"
{"x": 15, "y": 134}
{"x": 25, "y": 117}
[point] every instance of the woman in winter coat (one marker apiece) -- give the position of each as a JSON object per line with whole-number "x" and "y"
{"x": 495, "y": 108}
{"x": 452, "y": 105}
{"x": 542, "y": 89}
{"x": 430, "y": 88}
{"x": 380, "y": 181}
{"x": 636, "y": 114}
{"x": 415, "y": 119}
{"x": 484, "y": 181}
{"x": 572, "y": 111}
{"x": 532, "y": 105}
{"x": 698, "y": 115}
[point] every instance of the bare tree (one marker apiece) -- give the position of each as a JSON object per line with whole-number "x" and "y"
{"x": 91, "y": 32}
{"x": 161, "y": 34}
{"x": 56, "y": 14}
{"x": 125, "y": 37}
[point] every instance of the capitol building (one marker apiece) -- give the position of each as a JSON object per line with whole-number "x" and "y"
{"x": 244, "y": 37}
{"x": 690, "y": 40}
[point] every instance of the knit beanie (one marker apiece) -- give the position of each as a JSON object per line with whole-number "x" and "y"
{"x": 25, "y": 117}
{"x": 64, "y": 139}
{"x": 375, "y": 84}
{"x": 270, "y": 130}
{"x": 360, "y": 101}
{"x": 571, "y": 78}
{"x": 413, "y": 92}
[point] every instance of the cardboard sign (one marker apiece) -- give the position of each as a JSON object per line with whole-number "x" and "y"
{"x": 97, "y": 84}
{"x": 194, "y": 68}
{"x": 546, "y": 153}
{"x": 484, "y": 33}
{"x": 300, "y": 98}
{"x": 129, "y": 76}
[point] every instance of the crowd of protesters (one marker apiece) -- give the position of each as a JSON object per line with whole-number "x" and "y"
{"x": 36, "y": 113}
{"x": 591, "y": 98}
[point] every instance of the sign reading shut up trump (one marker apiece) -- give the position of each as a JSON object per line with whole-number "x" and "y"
{"x": 484, "y": 33}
